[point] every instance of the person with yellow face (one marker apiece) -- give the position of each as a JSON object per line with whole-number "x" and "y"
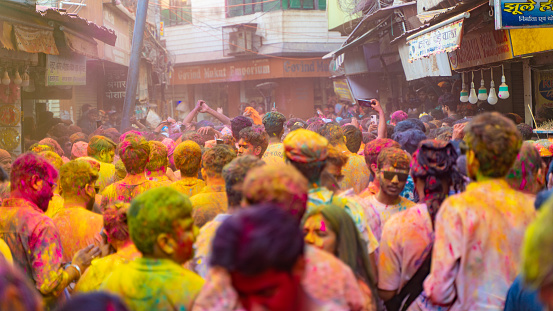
{"x": 103, "y": 149}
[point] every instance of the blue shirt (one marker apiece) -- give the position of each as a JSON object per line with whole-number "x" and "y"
{"x": 521, "y": 298}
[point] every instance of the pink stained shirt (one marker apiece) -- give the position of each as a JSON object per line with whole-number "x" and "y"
{"x": 476, "y": 253}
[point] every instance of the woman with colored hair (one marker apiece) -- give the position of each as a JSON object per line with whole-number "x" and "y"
{"x": 116, "y": 232}
{"x": 332, "y": 229}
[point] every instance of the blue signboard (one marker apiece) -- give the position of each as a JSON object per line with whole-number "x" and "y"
{"x": 523, "y": 14}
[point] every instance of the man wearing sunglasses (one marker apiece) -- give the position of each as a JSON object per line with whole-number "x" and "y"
{"x": 392, "y": 173}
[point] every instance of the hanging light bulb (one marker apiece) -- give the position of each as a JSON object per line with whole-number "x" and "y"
{"x": 473, "y": 99}
{"x": 17, "y": 79}
{"x": 492, "y": 98}
{"x": 26, "y": 79}
{"x": 503, "y": 88}
{"x": 6, "y": 78}
{"x": 482, "y": 92}
{"x": 464, "y": 93}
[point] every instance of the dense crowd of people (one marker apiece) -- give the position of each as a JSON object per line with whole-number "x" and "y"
{"x": 446, "y": 210}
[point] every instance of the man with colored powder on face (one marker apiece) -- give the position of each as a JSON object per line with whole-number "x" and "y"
{"x": 56, "y": 203}
{"x": 157, "y": 165}
{"x": 32, "y": 236}
{"x": 234, "y": 174}
{"x": 356, "y": 174}
{"x": 77, "y": 224}
{"x": 162, "y": 228}
{"x": 371, "y": 153}
{"x": 253, "y": 141}
{"x": 212, "y": 200}
{"x": 274, "y": 126}
{"x": 263, "y": 250}
{"x": 135, "y": 153}
{"x": 392, "y": 173}
{"x": 103, "y": 149}
{"x": 188, "y": 160}
{"x": 479, "y": 233}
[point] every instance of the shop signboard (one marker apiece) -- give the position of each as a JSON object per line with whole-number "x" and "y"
{"x": 444, "y": 39}
{"x": 432, "y": 66}
{"x": 65, "y": 70}
{"x": 544, "y": 93}
{"x": 251, "y": 70}
{"x": 116, "y": 80}
{"x": 342, "y": 90}
{"x": 483, "y": 47}
{"x": 523, "y": 14}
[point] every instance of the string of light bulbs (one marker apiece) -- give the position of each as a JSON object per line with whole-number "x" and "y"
{"x": 483, "y": 95}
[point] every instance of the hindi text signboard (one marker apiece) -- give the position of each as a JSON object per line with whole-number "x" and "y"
{"x": 523, "y": 14}
{"x": 483, "y": 47}
{"x": 65, "y": 70}
{"x": 444, "y": 39}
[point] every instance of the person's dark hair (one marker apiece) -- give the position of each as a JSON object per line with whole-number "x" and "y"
{"x": 368, "y": 137}
{"x": 95, "y": 301}
{"x": 27, "y": 165}
{"x": 274, "y": 123}
{"x": 410, "y": 124}
{"x": 258, "y": 239}
{"x": 525, "y": 130}
{"x": 3, "y": 175}
{"x": 333, "y": 132}
{"x": 311, "y": 171}
{"x": 426, "y": 118}
{"x": 437, "y": 114}
{"x": 495, "y": 141}
{"x": 313, "y": 119}
{"x": 450, "y": 101}
{"x": 234, "y": 174}
{"x": 237, "y": 124}
{"x": 256, "y": 136}
{"x": 354, "y": 138}
{"x": 16, "y": 292}
{"x": 410, "y": 139}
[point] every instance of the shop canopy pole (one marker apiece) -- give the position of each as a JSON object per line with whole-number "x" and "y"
{"x": 134, "y": 65}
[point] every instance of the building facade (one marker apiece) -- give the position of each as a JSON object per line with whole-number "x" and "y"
{"x": 229, "y": 52}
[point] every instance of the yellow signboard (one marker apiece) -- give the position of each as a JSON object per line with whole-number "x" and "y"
{"x": 531, "y": 40}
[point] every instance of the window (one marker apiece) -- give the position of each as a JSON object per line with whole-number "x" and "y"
{"x": 246, "y": 7}
{"x": 176, "y": 12}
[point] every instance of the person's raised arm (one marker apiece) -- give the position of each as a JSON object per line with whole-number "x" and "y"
{"x": 382, "y": 133}
{"x": 221, "y": 117}
{"x": 189, "y": 117}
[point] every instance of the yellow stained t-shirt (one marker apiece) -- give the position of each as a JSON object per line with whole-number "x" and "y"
{"x": 274, "y": 154}
{"x": 154, "y": 284}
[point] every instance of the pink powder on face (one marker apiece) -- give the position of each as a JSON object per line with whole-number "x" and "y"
{"x": 323, "y": 226}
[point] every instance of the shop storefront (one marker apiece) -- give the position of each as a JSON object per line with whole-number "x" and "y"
{"x": 294, "y": 86}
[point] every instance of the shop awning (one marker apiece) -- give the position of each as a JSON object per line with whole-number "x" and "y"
{"x": 6, "y": 36}
{"x": 365, "y": 30}
{"x": 81, "y": 44}
{"x": 35, "y": 40}
{"x": 440, "y": 38}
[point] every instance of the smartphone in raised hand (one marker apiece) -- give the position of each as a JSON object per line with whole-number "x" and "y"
{"x": 368, "y": 103}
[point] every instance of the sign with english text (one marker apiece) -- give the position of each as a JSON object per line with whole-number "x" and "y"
{"x": 444, "y": 39}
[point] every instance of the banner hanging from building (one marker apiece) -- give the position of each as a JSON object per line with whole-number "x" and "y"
{"x": 485, "y": 46}
{"x": 523, "y": 14}
{"x": 544, "y": 95}
{"x": 444, "y": 39}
